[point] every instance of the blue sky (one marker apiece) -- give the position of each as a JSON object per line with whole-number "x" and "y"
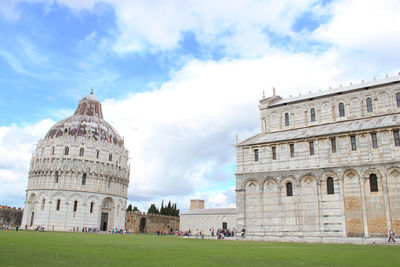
{"x": 178, "y": 79}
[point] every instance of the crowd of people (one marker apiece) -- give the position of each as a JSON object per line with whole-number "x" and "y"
{"x": 5, "y": 227}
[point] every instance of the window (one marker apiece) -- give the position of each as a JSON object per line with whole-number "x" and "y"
{"x": 289, "y": 189}
{"x": 369, "y": 105}
{"x": 81, "y": 152}
{"x": 287, "y": 121}
{"x": 341, "y": 110}
{"x": 66, "y": 151}
{"x": 58, "y": 204}
{"x": 311, "y": 145}
{"x": 84, "y": 179}
{"x": 91, "y": 207}
{"x": 56, "y": 177}
{"x": 273, "y": 149}
{"x": 109, "y": 183}
{"x": 255, "y": 154}
{"x": 333, "y": 145}
{"x": 43, "y": 202}
{"x": 396, "y": 138}
{"x": 75, "y": 205}
{"x": 330, "y": 186}
{"x": 353, "y": 142}
{"x": 52, "y": 150}
{"x": 374, "y": 140}
{"x": 312, "y": 113}
{"x": 97, "y": 154}
{"x": 373, "y": 182}
{"x": 398, "y": 99}
{"x": 110, "y": 157}
{"x": 291, "y": 150}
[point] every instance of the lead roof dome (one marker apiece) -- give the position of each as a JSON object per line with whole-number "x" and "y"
{"x": 87, "y": 121}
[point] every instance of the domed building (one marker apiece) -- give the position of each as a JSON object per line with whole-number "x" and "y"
{"x": 79, "y": 174}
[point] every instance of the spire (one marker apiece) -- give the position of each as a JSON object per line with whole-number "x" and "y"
{"x": 91, "y": 91}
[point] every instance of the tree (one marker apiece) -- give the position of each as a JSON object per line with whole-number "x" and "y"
{"x": 162, "y": 209}
{"x": 135, "y": 208}
{"x": 129, "y": 207}
{"x": 153, "y": 209}
{"x": 169, "y": 210}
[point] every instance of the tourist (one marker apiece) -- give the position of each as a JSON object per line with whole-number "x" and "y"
{"x": 391, "y": 236}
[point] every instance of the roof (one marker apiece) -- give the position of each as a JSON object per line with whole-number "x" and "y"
{"x": 219, "y": 211}
{"x": 325, "y": 129}
{"x": 86, "y": 121}
{"x": 341, "y": 89}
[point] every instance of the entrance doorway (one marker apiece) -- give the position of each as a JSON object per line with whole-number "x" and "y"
{"x": 32, "y": 216}
{"x": 224, "y": 225}
{"x": 142, "y": 225}
{"x": 104, "y": 221}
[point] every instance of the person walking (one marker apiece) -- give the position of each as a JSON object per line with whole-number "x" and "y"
{"x": 391, "y": 236}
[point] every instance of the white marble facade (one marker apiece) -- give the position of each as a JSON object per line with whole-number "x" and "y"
{"x": 202, "y": 220}
{"x": 325, "y": 166}
{"x": 79, "y": 174}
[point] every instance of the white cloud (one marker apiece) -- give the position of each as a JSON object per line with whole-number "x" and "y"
{"x": 180, "y": 135}
{"x": 16, "y": 147}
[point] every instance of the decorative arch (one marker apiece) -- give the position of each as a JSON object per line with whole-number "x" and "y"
{"x": 384, "y": 105}
{"x": 308, "y": 178}
{"x": 326, "y": 113}
{"x": 299, "y": 118}
{"x": 355, "y": 107}
{"x": 393, "y": 186}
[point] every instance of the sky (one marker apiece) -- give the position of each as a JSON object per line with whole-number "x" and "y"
{"x": 177, "y": 79}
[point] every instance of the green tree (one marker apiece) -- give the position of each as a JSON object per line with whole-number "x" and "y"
{"x": 153, "y": 209}
{"x": 129, "y": 207}
{"x": 135, "y": 208}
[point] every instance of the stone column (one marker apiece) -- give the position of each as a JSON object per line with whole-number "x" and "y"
{"x": 364, "y": 207}
{"x": 240, "y": 208}
{"x": 341, "y": 192}
{"x": 386, "y": 201}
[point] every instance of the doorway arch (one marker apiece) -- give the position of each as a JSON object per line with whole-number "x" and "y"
{"x": 142, "y": 225}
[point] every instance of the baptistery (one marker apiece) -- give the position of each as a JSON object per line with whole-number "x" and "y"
{"x": 79, "y": 174}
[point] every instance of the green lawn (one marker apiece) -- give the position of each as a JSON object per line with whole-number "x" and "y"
{"x": 81, "y": 249}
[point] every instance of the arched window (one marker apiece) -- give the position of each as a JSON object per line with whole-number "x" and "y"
{"x": 52, "y": 150}
{"x": 66, "y": 151}
{"x": 91, "y": 207}
{"x": 58, "y": 204}
{"x": 81, "y": 152}
{"x": 56, "y": 177}
{"x": 75, "y": 205}
{"x": 289, "y": 189}
{"x": 110, "y": 157}
{"x": 312, "y": 113}
{"x": 341, "y": 110}
{"x": 97, "y": 154}
{"x": 287, "y": 121}
{"x": 84, "y": 179}
{"x": 373, "y": 182}
{"x": 330, "y": 186}
{"x": 398, "y": 99}
{"x": 43, "y": 202}
{"x": 369, "y": 105}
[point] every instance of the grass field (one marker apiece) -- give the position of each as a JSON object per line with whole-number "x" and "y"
{"x": 81, "y": 249}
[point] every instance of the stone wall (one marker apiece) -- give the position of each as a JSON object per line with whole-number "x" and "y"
{"x": 10, "y": 215}
{"x": 141, "y": 222}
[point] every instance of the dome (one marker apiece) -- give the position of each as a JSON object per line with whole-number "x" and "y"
{"x": 87, "y": 121}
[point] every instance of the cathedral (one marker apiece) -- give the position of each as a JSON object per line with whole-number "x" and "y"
{"x": 79, "y": 174}
{"x": 325, "y": 166}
